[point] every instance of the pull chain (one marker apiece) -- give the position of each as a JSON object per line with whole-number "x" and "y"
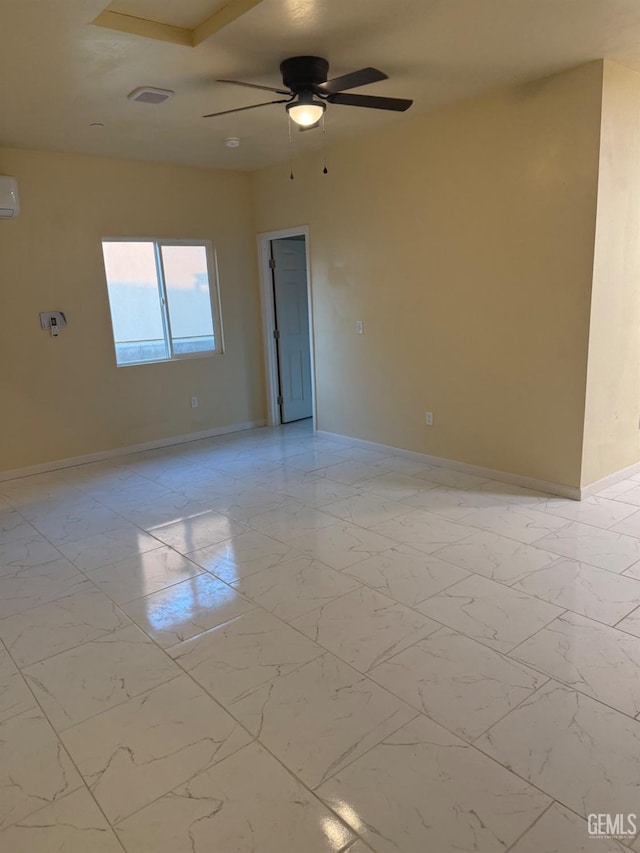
{"x": 325, "y": 171}
{"x": 290, "y": 152}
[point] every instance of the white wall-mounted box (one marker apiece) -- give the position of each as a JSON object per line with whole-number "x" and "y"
{"x": 9, "y": 200}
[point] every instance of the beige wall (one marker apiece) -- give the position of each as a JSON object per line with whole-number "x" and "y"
{"x": 65, "y": 397}
{"x": 611, "y": 434}
{"x": 464, "y": 240}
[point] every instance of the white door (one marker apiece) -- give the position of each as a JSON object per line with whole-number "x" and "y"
{"x": 292, "y": 328}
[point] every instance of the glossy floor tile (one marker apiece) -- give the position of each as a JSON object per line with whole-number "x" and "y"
{"x": 451, "y": 503}
{"x": 342, "y": 545}
{"x": 596, "y": 593}
{"x": 631, "y": 623}
{"x": 24, "y": 587}
{"x": 562, "y": 831}
{"x": 520, "y": 523}
{"x": 242, "y": 555}
{"x": 44, "y": 631}
{"x": 406, "y": 575}
{"x": 34, "y": 768}
{"x": 25, "y": 552}
{"x": 629, "y": 525}
{"x": 603, "y": 548}
{"x": 295, "y": 587}
{"x": 73, "y": 824}
{"x": 425, "y": 531}
{"x": 72, "y": 525}
{"x": 272, "y": 641}
{"x": 105, "y": 548}
{"x": 579, "y": 751}
{"x": 628, "y": 494}
{"x": 424, "y": 789}
{"x": 396, "y": 485}
{"x": 495, "y": 614}
{"x": 186, "y": 609}
{"x": 241, "y": 505}
{"x": 207, "y": 528}
{"x": 453, "y": 479}
{"x": 246, "y": 803}
{"x": 367, "y": 510}
{"x": 319, "y": 492}
{"x": 597, "y": 511}
{"x": 320, "y": 717}
{"x": 132, "y": 754}
{"x": 633, "y": 571}
{"x": 496, "y": 557}
{"x": 144, "y": 575}
{"x": 593, "y": 658}
{"x": 457, "y": 682}
{"x": 14, "y": 526}
{"x": 291, "y": 520}
{"x": 15, "y": 696}
{"x": 96, "y": 675}
{"x": 235, "y": 658}
{"x": 364, "y": 627}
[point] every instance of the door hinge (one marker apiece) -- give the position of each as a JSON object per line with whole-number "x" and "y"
{"x": 272, "y": 263}
{"x": 280, "y": 399}
{"x": 276, "y": 334}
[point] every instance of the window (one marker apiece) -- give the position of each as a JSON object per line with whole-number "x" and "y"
{"x": 164, "y": 299}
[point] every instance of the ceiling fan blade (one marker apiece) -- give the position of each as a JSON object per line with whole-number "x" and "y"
{"x": 256, "y": 86}
{"x": 352, "y": 81}
{"x": 370, "y": 101}
{"x": 242, "y": 109}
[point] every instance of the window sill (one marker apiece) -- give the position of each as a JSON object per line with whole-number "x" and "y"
{"x": 186, "y": 357}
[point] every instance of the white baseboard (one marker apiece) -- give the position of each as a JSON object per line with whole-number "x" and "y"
{"x": 57, "y": 464}
{"x": 610, "y": 480}
{"x": 572, "y": 492}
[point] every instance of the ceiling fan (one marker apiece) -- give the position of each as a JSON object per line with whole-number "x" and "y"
{"x": 308, "y": 91}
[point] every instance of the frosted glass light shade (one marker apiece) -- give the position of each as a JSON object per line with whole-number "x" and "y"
{"x": 306, "y": 114}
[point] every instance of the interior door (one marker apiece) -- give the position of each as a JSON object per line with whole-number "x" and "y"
{"x": 292, "y": 328}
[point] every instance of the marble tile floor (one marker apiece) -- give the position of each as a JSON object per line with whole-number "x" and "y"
{"x": 273, "y": 642}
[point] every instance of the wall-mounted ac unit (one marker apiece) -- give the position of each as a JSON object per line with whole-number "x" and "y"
{"x": 9, "y": 201}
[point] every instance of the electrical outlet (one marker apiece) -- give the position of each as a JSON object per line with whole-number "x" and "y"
{"x": 194, "y": 402}
{"x": 359, "y": 327}
{"x": 428, "y": 418}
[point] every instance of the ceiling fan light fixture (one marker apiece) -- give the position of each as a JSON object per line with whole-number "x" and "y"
{"x": 306, "y": 110}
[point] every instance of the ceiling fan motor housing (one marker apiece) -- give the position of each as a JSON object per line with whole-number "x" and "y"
{"x": 304, "y": 73}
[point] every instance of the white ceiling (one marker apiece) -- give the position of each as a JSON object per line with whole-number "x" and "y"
{"x": 58, "y": 73}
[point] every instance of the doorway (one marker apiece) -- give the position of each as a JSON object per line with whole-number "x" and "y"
{"x": 288, "y": 328}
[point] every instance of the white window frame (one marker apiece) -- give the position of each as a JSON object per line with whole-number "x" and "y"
{"x": 214, "y": 296}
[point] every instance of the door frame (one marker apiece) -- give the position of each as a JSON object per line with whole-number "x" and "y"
{"x": 269, "y": 320}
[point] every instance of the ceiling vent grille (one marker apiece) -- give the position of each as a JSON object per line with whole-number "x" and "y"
{"x": 150, "y": 95}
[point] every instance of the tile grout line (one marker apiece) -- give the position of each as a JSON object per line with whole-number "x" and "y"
{"x": 414, "y": 609}
{"x": 62, "y": 746}
{"x": 475, "y": 529}
{"x": 200, "y": 687}
{"x": 254, "y": 740}
{"x": 374, "y": 682}
{"x": 418, "y": 713}
{"x": 458, "y": 523}
{"x": 626, "y": 616}
{"x": 85, "y": 573}
{"x": 529, "y": 828}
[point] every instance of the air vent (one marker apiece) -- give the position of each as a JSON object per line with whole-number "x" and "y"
{"x": 150, "y": 95}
